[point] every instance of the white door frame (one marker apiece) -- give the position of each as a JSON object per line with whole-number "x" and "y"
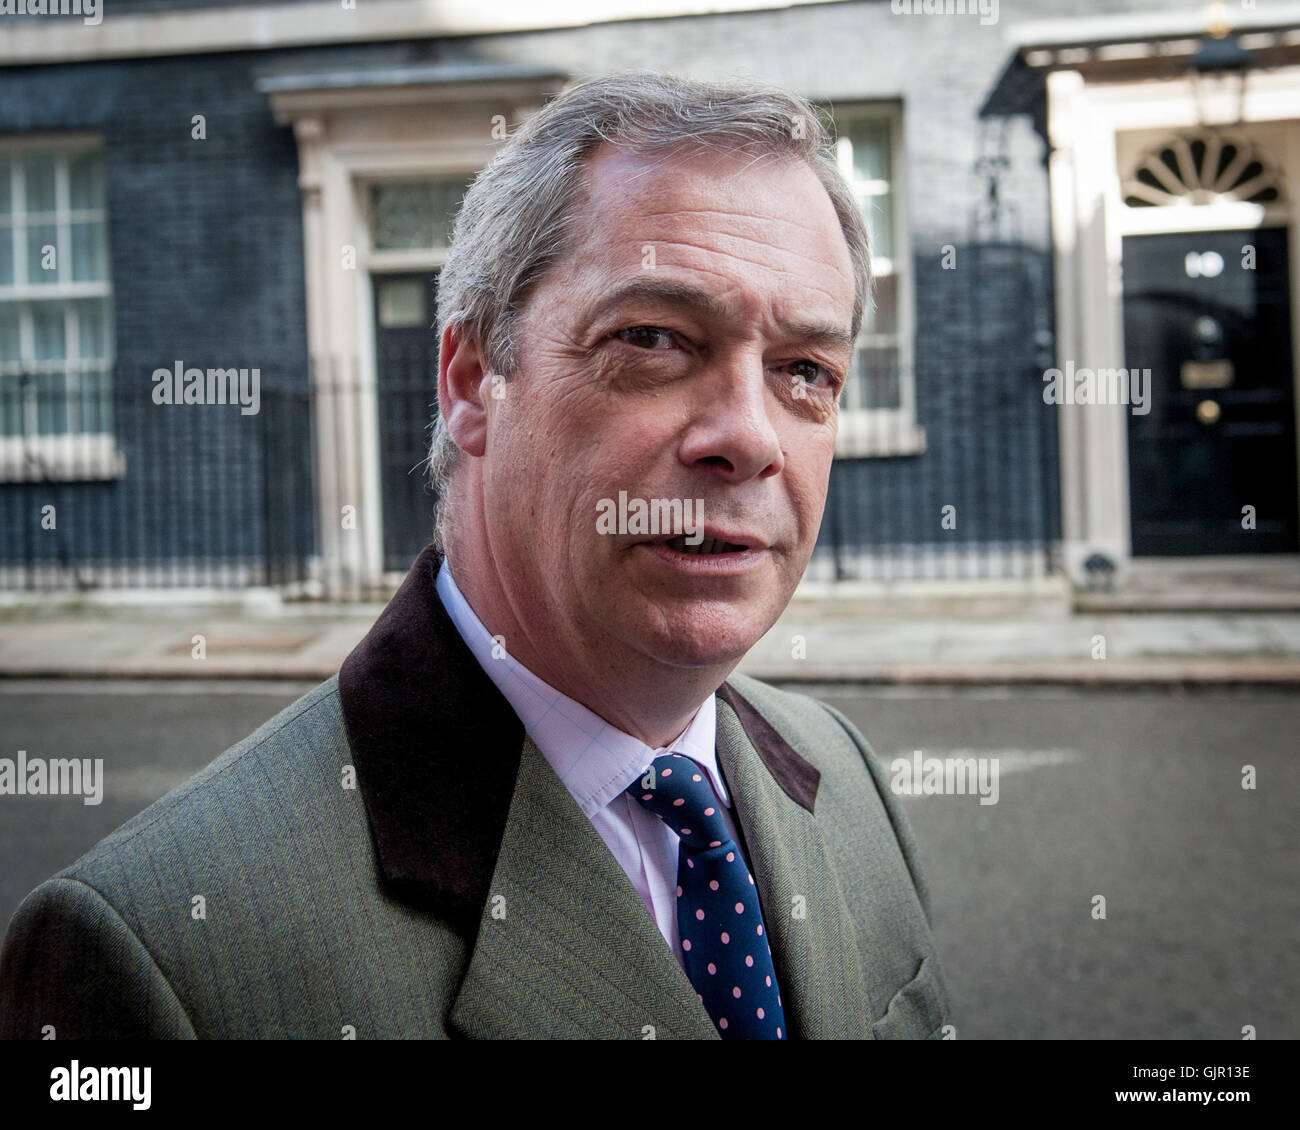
{"x": 1095, "y": 131}
{"x": 347, "y": 139}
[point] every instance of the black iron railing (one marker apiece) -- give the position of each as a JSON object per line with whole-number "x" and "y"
{"x": 321, "y": 492}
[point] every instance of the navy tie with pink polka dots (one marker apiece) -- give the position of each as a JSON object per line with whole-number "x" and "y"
{"x": 723, "y": 942}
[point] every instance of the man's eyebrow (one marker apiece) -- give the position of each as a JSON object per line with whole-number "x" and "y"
{"x": 701, "y": 302}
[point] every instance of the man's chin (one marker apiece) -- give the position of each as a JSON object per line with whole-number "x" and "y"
{"x": 703, "y": 636}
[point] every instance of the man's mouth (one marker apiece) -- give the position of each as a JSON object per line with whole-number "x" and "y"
{"x": 708, "y": 546}
{"x": 719, "y": 554}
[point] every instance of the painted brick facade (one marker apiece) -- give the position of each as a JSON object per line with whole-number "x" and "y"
{"x": 207, "y": 261}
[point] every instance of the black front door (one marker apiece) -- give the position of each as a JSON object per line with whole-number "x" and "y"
{"x": 1212, "y": 465}
{"x": 406, "y": 349}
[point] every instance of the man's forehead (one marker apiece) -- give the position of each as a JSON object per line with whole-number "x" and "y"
{"x": 759, "y": 209}
{"x": 621, "y": 182}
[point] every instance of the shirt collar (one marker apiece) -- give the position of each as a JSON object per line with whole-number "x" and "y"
{"x": 594, "y": 759}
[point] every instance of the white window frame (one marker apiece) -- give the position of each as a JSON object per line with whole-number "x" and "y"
{"x": 71, "y": 456}
{"x": 880, "y": 432}
{"x": 392, "y": 261}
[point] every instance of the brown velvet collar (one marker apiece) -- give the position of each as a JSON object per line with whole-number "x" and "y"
{"x": 436, "y": 748}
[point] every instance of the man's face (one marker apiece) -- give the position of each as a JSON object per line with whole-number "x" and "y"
{"x": 691, "y": 347}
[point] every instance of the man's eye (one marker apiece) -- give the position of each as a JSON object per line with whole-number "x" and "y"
{"x": 647, "y": 337}
{"x": 812, "y": 371}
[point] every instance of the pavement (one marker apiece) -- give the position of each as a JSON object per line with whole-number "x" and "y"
{"x": 975, "y": 635}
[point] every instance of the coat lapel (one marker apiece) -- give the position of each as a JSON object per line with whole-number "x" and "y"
{"x": 436, "y": 748}
{"x": 470, "y": 822}
{"x": 566, "y": 947}
{"x": 814, "y": 941}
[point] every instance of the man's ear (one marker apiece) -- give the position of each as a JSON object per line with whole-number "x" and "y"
{"x": 461, "y": 373}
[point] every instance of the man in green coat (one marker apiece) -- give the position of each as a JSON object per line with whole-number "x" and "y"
{"x": 646, "y": 318}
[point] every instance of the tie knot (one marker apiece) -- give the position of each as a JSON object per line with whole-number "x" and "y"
{"x": 677, "y": 790}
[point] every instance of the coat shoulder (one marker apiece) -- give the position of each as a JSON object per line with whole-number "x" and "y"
{"x": 246, "y": 901}
{"x": 283, "y": 771}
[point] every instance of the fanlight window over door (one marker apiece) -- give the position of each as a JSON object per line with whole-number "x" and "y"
{"x": 1206, "y": 167}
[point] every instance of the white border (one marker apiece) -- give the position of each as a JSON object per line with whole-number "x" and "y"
{"x": 268, "y": 26}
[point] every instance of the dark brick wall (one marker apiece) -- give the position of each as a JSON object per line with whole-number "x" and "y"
{"x": 205, "y": 245}
{"x": 207, "y": 255}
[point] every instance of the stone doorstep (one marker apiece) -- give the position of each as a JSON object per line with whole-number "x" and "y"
{"x": 1225, "y": 600}
{"x": 1257, "y": 583}
{"x": 1046, "y": 598}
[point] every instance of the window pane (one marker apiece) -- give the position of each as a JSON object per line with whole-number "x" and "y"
{"x": 11, "y": 408}
{"x": 876, "y": 370}
{"x": 86, "y": 180}
{"x": 47, "y": 331}
{"x": 401, "y": 303}
{"x": 63, "y": 393}
{"x": 40, "y": 182}
{"x": 413, "y": 215}
{"x": 94, "y": 381}
{"x": 92, "y": 329}
{"x": 864, "y": 152}
{"x": 11, "y": 371}
{"x": 51, "y": 378}
{"x": 8, "y": 336}
{"x": 870, "y": 139}
{"x": 11, "y": 403}
{"x": 38, "y": 237}
{"x": 878, "y": 212}
{"x": 96, "y": 403}
{"x": 89, "y": 252}
{"x": 402, "y": 216}
{"x": 884, "y": 318}
{"x": 11, "y": 389}
{"x": 51, "y": 404}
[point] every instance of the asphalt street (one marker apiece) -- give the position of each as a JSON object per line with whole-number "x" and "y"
{"x": 1132, "y": 797}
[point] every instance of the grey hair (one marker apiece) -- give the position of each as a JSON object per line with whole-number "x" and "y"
{"x": 519, "y": 216}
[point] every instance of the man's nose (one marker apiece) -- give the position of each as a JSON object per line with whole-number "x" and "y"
{"x": 733, "y": 429}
